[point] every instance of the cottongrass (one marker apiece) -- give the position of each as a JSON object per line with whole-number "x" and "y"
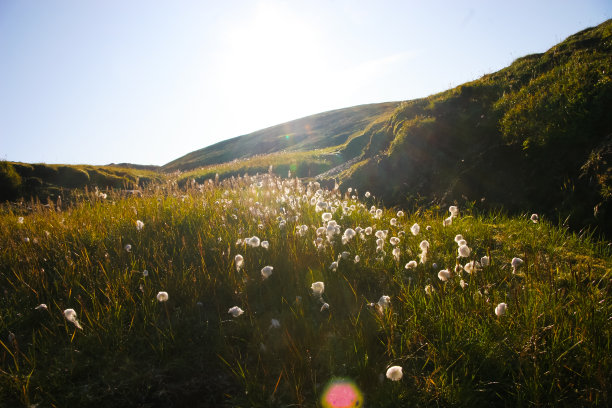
{"x": 162, "y": 296}
{"x": 71, "y": 316}
{"x": 394, "y": 373}
{"x": 500, "y": 309}
{"x": 235, "y": 311}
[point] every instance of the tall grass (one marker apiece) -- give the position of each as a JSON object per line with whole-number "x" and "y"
{"x": 552, "y": 347}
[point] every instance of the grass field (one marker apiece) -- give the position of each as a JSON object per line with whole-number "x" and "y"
{"x": 151, "y": 280}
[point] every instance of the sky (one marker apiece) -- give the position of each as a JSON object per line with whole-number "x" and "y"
{"x": 99, "y": 82}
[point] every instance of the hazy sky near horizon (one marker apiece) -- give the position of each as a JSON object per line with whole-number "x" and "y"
{"x": 148, "y": 81}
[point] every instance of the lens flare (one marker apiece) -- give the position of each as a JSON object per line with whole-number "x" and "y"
{"x": 341, "y": 393}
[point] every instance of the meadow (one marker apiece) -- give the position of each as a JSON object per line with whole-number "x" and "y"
{"x": 259, "y": 291}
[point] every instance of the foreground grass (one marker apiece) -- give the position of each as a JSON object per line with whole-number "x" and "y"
{"x": 551, "y": 347}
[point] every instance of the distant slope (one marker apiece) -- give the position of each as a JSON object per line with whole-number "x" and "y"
{"x": 312, "y": 132}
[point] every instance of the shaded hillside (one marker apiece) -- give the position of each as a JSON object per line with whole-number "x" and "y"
{"x": 535, "y": 136}
{"x": 47, "y": 180}
{"x": 313, "y": 132}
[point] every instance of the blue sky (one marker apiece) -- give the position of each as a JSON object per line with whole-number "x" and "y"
{"x": 147, "y": 81}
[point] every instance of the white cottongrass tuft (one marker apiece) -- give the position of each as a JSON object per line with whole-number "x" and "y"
{"x": 447, "y": 221}
{"x": 318, "y": 288}
{"x": 429, "y": 290}
{"x": 453, "y": 210}
{"x": 394, "y": 373}
{"x": 20, "y": 220}
{"x": 396, "y": 253}
{"x": 394, "y": 240}
{"x": 463, "y": 251}
{"x": 266, "y": 271}
{"x": 367, "y": 194}
{"x": 357, "y": 258}
{"x": 400, "y": 214}
{"x": 424, "y": 245}
{"x": 500, "y": 309}
{"x": 411, "y": 265}
{"x": 485, "y": 261}
{"x": 325, "y": 306}
{"x": 384, "y": 302}
{"x": 274, "y": 324}
{"x": 42, "y": 306}
{"x": 333, "y": 266}
{"x": 444, "y": 275}
{"x": 393, "y": 222}
{"x": 471, "y": 267}
{"x": 254, "y": 241}
{"x": 128, "y": 248}
{"x": 139, "y": 225}
{"x": 162, "y": 296}
{"x": 458, "y": 238}
{"x": 463, "y": 284}
{"x": 326, "y": 216}
{"x": 534, "y": 218}
{"x": 265, "y": 244}
{"x": 235, "y": 311}
{"x": 145, "y": 273}
{"x": 516, "y": 263}
{"x": 71, "y": 316}
{"x": 415, "y": 229}
{"x": 239, "y": 262}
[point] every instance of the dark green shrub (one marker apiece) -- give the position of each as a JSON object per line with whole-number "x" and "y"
{"x": 10, "y": 181}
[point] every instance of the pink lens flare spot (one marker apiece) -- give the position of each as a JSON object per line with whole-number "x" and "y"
{"x": 342, "y": 394}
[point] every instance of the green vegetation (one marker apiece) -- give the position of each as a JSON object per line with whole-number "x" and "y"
{"x": 552, "y": 347}
{"x": 42, "y": 181}
{"x": 311, "y": 133}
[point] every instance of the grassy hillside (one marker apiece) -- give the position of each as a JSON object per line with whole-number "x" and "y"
{"x": 535, "y": 136}
{"x": 313, "y": 132}
{"x": 41, "y": 180}
{"x": 124, "y": 301}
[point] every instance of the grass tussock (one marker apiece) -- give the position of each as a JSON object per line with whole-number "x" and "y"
{"x": 110, "y": 260}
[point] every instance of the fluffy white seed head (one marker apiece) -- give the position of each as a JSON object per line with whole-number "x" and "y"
{"x": 500, "y": 309}
{"x": 139, "y": 225}
{"x": 415, "y": 229}
{"x": 411, "y": 265}
{"x": 238, "y": 261}
{"x": 71, "y": 316}
{"x": 162, "y": 296}
{"x": 485, "y": 261}
{"x": 317, "y": 288}
{"x": 266, "y": 271}
{"x": 384, "y": 302}
{"x": 444, "y": 275}
{"x": 534, "y": 218}
{"x": 394, "y": 373}
{"x": 516, "y": 263}
{"x": 453, "y": 210}
{"x": 424, "y": 245}
{"x": 235, "y": 311}
{"x": 464, "y": 251}
{"x": 447, "y": 221}
{"x": 254, "y": 241}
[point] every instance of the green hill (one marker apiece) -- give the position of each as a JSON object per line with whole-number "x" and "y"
{"x": 535, "y": 136}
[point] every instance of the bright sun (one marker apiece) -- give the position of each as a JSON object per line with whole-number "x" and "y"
{"x": 275, "y": 61}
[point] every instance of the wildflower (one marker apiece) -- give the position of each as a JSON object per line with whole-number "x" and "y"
{"x": 424, "y": 245}
{"x": 266, "y": 271}
{"x": 253, "y": 241}
{"x": 162, "y": 296}
{"x": 42, "y": 306}
{"x": 429, "y": 290}
{"x": 444, "y": 275}
{"x": 463, "y": 284}
{"x": 464, "y": 251}
{"x": 384, "y": 302}
{"x": 128, "y": 248}
{"x": 516, "y": 263}
{"x": 318, "y": 288}
{"x": 71, "y": 316}
{"x": 484, "y": 261}
{"x": 396, "y": 253}
{"x": 535, "y": 218}
{"x": 500, "y": 309}
{"x": 325, "y": 306}
{"x": 393, "y": 222}
{"x": 20, "y": 220}
{"x": 415, "y": 229}
{"x": 239, "y": 262}
{"x": 411, "y": 265}
{"x": 400, "y": 214}
{"x": 394, "y": 373}
{"x": 471, "y": 267}
{"x": 265, "y": 244}
{"x": 333, "y": 266}
{"x": 454, "y": 211}
{"x": 139, "y": 225}
{"x": 235, "y": 311}
{"x": 447, "y": 221}
{"x": 394, "y": 240}
{"x": 274, "y": 324}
